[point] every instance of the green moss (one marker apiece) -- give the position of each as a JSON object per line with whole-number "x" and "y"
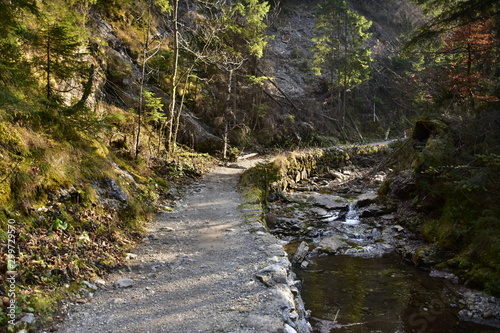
{"x": 257, "y": 180}
{"x": 11, "y": 139}
{"x": 118, "y": 68}
{"x": 5, "y": 192}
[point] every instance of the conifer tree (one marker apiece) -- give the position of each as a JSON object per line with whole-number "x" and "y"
{"x": 340, "y": 51}
{"x": 59, "y": 57}
{"x": 14, "y": 70}
{"x": 461, "y": 43}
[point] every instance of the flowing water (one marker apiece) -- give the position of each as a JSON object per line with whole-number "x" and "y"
{"x": 384, "y": 294}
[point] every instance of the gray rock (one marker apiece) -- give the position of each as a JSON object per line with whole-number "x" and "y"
{"x": 366, "y": 199}
{"x": 289, "y": 329}
{"x": 372, "y": 210}
{"x": 28, "y": 318}
{"x": 90, "y": 285}
{"x": 332, "y": 244}
{"x": 124, "y": 283}
{"x": 403, "y": 186}
{"x": 114, "y": 190}
{"x": 300, "y": 253}
{"x": 26, "y": 323}
{"x": 100, "y": 282}
{"x": 328, "y": 201}
{"x": 130, "y": 255}
{"x": 273, "y": 275}
{"x": 398, "y": 228}
{"x": 319, "y": 211}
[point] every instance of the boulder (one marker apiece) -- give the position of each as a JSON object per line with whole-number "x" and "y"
{"x": 372, "y": 211}
{"x": 196, "y": 135}
{"x": 403, "y": 186}
{"x": 272, "y": 275}
{"x": 332, "y": 244}
{"x": 366, "y": 199}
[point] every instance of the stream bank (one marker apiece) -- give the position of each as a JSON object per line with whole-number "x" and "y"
{"x": 345, "y": 242}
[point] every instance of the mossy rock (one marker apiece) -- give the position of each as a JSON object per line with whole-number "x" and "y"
{"x": 118, "y": 68}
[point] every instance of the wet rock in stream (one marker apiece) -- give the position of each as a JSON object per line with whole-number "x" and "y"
{"x": 332, "y": 244}
{"x": 332, "y": 223}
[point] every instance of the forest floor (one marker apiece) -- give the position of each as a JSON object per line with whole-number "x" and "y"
{"x": 194, "y": 272}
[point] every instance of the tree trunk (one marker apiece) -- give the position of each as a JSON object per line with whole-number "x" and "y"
{"x": 140, "y": 109}
{"x": 179, "y": 111}
{"x": 173, "y": 95}
{"x": 226, "y": 114}
{"x": 49, "y": 88}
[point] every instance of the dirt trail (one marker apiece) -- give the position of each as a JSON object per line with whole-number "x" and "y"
{"x": 201, "y": 269}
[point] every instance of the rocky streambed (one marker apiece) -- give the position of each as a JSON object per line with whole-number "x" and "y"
{"x": 358, "y": 264}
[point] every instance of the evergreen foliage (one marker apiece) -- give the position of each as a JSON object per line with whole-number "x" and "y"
{"x": 340, "y": 50}
{"x": 456, "y": 170}
{"x": 59, "y": 59}
{"x": 14, "y": 68}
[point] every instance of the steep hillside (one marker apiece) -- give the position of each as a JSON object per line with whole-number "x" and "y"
{"x": 78, "y": 182}
{"x": 378, "y": 107}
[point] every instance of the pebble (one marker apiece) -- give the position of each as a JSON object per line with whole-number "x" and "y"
{"x": 90, "y": 285}
{"x": 100, "y": 282}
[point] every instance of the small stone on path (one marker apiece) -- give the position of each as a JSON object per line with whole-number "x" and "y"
{"x": 124, "y": 283}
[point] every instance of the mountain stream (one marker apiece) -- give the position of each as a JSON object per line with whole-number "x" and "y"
{"x": 344, "y": 246}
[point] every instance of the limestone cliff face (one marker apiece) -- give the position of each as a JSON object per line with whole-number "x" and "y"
{"x": 288, "y": 55}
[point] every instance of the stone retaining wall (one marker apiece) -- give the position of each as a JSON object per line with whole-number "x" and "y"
{"x": 297, "y": 166}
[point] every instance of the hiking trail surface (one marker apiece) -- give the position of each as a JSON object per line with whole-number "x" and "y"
{"x": 204, "y": 267}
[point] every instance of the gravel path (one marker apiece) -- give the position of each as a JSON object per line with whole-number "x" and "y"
{"x": 205, "y": 267}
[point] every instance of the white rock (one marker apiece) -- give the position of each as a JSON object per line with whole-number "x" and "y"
{"x": 90, "y": 285}
{"x": 289, "y": 329}
{"x": 100, "y": 282}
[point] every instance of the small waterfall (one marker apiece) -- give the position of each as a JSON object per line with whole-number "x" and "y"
{"x": 352, "y": 214}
